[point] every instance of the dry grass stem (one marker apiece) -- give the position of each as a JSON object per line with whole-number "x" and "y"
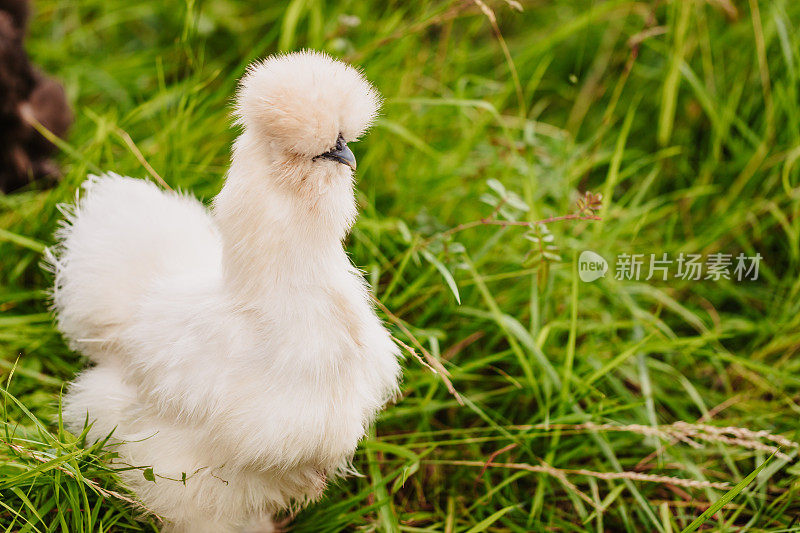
{"x": 433, "y": 363}
{"x": 635, "y": 476}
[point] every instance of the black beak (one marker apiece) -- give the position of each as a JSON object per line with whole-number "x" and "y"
{"x": 341, "y": 154}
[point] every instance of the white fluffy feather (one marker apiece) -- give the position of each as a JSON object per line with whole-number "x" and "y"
{"x": 237, "y": 346}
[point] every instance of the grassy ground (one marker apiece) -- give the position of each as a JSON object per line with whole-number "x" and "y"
{"x": 585, "y": 397}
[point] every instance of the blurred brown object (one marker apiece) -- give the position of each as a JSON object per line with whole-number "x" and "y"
{"x": 26, "y": 96}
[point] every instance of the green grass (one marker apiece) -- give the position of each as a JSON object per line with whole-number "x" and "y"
{"x": 685, "y": 116}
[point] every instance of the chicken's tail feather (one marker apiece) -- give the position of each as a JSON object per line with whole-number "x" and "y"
{"x": 118, "y": 236}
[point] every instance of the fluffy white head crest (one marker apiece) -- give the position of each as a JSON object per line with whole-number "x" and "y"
{"x": 304, "y": 100}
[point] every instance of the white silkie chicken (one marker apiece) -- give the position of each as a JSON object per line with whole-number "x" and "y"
{"x": 236, "y": 348}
